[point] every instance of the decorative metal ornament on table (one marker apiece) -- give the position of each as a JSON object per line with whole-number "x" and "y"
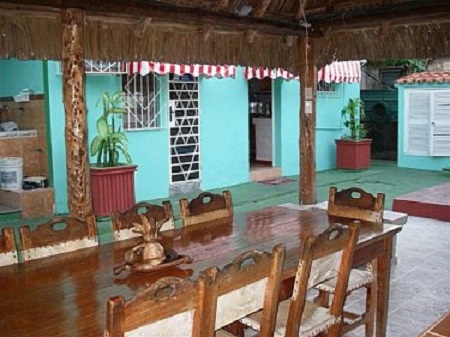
{"x": 150, "y": 255}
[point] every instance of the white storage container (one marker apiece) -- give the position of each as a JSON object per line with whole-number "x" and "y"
{"x": 11, "y": 174}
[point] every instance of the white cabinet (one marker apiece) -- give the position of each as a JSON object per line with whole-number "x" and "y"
{"x": 263, "y": 131}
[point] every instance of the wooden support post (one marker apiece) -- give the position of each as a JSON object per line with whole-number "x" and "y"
{"x": 78, "y": 182}
{"x": 308, "y": 82}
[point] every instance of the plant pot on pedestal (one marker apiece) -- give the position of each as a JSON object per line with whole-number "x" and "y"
{"x": 353, "y": 150}
{"x": 353, "y": 154}
{"x": 112, "y": 188}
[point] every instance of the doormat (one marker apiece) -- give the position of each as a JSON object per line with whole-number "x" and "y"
{"x": 277, "y": 181}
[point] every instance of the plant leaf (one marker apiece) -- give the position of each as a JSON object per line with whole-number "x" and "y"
{"x": 96, "y": 145}
{"x": 102, "y": 127}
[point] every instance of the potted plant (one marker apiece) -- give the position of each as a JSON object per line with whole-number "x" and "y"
{"x": 112, "y": 182}
{"x": 353, "y": 150}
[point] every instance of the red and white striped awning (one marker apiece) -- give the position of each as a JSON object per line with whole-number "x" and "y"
{"x": 339, "y": 72}
{"x": 145, "y": 67}
{"x": 261, "y": 73}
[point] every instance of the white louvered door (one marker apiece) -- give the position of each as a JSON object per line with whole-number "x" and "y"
{"x": 440, "y": 123}
{"x": 417, "y": 122}
{"x": 427, "y": 122}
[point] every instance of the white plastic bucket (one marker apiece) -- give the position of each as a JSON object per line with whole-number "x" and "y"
{"x": 11, "y": 174}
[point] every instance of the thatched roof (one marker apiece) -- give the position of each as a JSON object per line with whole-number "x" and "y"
{"x": 218, "y": 32}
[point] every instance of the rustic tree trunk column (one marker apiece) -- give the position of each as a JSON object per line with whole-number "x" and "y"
{"x": 78, "y": 182}
{"x": 307, "y": 72}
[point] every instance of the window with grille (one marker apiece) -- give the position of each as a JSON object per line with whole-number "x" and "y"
{"x": 143, "y": 102}
{"x": 324, "y": 88}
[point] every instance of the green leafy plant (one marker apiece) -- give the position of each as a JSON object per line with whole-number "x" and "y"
{"x": 351, "y": 116}
{"x": 110, "y": 142}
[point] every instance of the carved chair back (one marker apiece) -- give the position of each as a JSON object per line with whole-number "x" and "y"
{"x": 166, "y": 309}
{"x": 8, "y": 250}
{"x": 123, "y": 221}
{"x": 355, "y": 204}
{"x": 337, "y": 243}
{"x": 251, "y": 282}
{"x": 206, "y": 207}
{"x": 59, "y": 235}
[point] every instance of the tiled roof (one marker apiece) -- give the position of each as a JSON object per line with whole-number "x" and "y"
{"x": 426, "y": 77}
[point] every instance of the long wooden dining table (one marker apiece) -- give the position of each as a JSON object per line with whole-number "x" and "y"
{"x": 66, "y": 295}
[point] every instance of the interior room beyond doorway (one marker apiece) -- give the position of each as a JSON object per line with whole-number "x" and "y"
{"x": 261, "y": 133}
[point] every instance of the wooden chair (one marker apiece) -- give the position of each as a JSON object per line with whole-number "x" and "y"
{"x": 348, "y": 205}
{"x": 123, "y": 221}
{"x": 8, "y": 250}
{"x": 298, "y": 317}
{"x": 166, "y": 309}
{"x": 206, "y": 207}
{"x": 59, "y": 235}
{"x": 355, "y": 204}
{"x": 251, "y": 282}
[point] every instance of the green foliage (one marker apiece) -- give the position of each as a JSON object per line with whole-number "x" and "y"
{"x": 351, "y": 115}
{"x": 410, "y": 65}
{"x": 109, "y": 142}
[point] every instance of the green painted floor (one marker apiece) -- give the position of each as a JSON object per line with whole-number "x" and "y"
{"x": 383, "y": 176}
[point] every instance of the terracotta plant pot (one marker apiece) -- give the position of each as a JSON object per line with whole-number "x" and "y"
{"x": 112, "y": 189}
{"x": 353, "y": 154}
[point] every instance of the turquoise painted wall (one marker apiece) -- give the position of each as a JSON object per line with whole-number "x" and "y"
{"x": 328, "y": 124}
{"x": 148, "y": 149}
{"x": 224, "y": 131}
{"x": 93, "y": 85}
{"x": 16, "y": 75}
{"x": 416, "y": 162}
{"x": 290, "y": 106}
{"x": 277, "y": 122}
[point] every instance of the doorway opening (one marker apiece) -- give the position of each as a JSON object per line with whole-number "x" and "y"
{"x": 261, "y": 130}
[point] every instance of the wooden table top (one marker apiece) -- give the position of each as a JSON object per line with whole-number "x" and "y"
{"x": 66, "y": 295}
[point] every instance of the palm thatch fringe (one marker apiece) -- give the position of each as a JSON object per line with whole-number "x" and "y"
{"x": 31, "y": 36}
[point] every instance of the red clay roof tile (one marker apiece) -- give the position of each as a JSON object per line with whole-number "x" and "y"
{"x": 426, "y": 77}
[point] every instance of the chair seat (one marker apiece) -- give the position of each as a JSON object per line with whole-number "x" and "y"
{"x": 358, "y": 279}
{"x": 315, "y": 319}
{"x": 223, "y": 333}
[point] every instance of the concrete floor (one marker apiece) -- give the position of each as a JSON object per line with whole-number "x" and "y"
{"x": 420, "y": 280}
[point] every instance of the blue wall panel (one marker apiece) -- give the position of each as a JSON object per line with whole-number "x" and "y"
{"x": 224, "y": 131}
{"x": 16, "y": 75}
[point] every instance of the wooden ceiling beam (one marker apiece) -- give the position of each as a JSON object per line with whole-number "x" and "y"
{"x": 151, "y": 9}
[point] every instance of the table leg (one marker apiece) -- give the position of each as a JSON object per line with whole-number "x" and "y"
{"x": 384, "y": 277}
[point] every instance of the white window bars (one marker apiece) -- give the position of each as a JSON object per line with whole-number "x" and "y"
{"x": 142, "y": 97}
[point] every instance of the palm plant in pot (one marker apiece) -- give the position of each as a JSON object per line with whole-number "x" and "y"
{"x": 112, "y": 182}
{"x": 110, "y": 142}
{"x": 353, "y": 150}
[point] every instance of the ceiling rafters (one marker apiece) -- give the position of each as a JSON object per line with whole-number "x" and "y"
{"x": 170, "y": 14}
{"x": 261, "y": 10}
{"x": 301, "y": 10}
{"x": 223, "y": 4}
{"x": 142, "y": 27}
{"x": 373, "y": 19}
{"x": 206, "y": 31}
